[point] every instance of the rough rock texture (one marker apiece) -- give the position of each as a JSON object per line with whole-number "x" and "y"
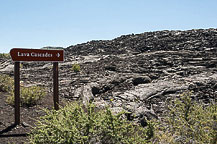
{"x": 137, "y": 72}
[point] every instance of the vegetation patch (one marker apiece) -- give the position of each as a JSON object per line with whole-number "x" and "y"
{"x": 79, "y": 124}
{"x": 29, "y": 96}
{"x": 188, "y": 122}
{"x": 5, "y": 55}
{"x": 76, "y": 68}
{"x": 6, "y": 83}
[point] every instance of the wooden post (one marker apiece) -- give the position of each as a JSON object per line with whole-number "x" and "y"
{"x": 55, "y": 86}
{"x": 17, "y": 92}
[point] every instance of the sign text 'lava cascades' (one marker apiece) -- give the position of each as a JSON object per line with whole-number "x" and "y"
{"x": 18, "y": 54}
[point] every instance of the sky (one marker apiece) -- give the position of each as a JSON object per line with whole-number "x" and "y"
{"x": 62, "y": 23}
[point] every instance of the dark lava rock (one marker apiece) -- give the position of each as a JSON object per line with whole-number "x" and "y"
{"x": 133, "y": 72}
{"x": 197, "y": 40}
{"x": 141, "y": 80}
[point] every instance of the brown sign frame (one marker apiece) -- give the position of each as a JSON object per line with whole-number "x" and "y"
{"x": 19, "y": 54}
{"x": 25, "y": 58}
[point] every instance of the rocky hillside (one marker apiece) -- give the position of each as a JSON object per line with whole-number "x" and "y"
{"x": 137, "y": 72}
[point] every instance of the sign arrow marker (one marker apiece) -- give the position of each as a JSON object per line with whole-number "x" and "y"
{"x": 58, "y": 55}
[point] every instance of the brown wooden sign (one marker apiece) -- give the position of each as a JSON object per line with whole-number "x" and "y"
{"x": 18, "y": 54}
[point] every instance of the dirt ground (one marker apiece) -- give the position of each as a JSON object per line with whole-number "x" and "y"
{"x": 9, "y": 133}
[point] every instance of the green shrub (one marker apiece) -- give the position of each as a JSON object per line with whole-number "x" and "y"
{"x": 6, "y": 83}
{"x": 29, "y": 96}
{"x": 76, "y": 68}
{"x": 188, "y": 122}
{"x": 79, "y": 124}
{"x": 5, "y": 55}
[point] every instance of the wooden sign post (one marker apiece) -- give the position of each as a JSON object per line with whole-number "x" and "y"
{"x": 55, "y": 86}
{"x": 19, "y": 55}
{"x": 17, "y": 92}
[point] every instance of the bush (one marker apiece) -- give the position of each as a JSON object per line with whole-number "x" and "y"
{"x": 77, "y": 124}
{"x": 6, "y": 83}
{"x": 76, "y": 68}
{"x": 5, "y": 55}
{"x": 188, "y": 122}
{"x": 29, "y": 96}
